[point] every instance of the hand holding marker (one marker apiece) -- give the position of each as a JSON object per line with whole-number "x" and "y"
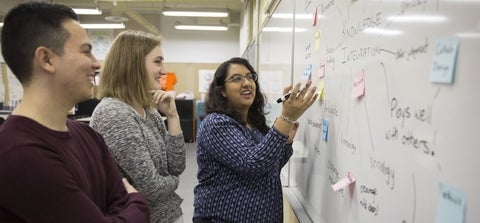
{"x": 287, "y": 95}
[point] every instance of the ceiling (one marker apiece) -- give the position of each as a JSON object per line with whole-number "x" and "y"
{"x": 146, "y": 15}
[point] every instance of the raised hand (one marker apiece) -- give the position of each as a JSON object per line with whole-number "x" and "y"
{"x": 164, "y": 102}
{"x": 299, "y": 101}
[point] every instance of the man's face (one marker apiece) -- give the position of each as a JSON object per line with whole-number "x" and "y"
{"x": 76, "y": 67}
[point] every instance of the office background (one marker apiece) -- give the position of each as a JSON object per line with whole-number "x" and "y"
{"x": 407, "y": 135}
{"x": 187, "y": 53}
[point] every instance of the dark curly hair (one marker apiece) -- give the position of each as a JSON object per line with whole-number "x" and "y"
{"x": 215, "y": 102}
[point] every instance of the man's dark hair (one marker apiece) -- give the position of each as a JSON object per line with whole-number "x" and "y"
{"x": 28, "y": 26}
{"x": 215, "y": 102}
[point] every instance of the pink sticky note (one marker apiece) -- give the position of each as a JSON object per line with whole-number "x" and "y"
{"x": 321, "y": 69}
{"x": 345, "y": 181}
{"x": 358, "y": 87}
{"x": 315, "y": 17}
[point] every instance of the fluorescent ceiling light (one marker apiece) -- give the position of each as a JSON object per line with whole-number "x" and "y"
{"x": 87, "y": 11}
{"x": 468, "y": 35}
{"x": 98, "y": 26}
{"x": 202, "y": 27}
{"x": 196, "y": 13}
{"x": 417, "y": 18}
{"x": 104, "y": 26}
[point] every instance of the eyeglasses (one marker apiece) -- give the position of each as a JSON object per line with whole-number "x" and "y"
{"x": 238, "y": 78}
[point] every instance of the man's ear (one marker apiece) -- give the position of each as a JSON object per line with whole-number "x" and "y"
{"x": 44, "y": 58}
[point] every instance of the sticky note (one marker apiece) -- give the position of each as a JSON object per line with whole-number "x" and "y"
{"x": 345, "y": 181}
{"x": 321, "y": 69}
{"x": 307, "y": 72}
{"x": 321, "y": 90}
{"x": 317, "y": 40}
{"x": 451, "y": 205}
{"x": 358, "y": 86}
{"x": 324, "y": 129}
{"x": 444, "y": 60}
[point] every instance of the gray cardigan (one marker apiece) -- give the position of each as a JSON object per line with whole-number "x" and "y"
{"x": 147, "y": 155}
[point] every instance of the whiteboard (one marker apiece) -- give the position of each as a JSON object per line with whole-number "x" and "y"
{"x": 411, "y": 138}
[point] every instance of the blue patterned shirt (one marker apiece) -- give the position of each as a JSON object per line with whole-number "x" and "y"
{"x": 239, "y": 172}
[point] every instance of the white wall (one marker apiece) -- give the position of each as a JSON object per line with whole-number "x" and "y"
{"x": 181, "y": 46}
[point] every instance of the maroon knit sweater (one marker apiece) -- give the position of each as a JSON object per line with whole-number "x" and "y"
{"x": 51, "y": 176}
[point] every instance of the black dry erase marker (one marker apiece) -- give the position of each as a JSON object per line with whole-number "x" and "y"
{"x": 284, "y": 97}
{"x": 287, "y": 95}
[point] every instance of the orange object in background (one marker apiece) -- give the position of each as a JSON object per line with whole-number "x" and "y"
{"x": 167, "y": 81}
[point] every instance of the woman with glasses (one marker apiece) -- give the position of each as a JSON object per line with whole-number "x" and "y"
{"x": 239, "y": 156}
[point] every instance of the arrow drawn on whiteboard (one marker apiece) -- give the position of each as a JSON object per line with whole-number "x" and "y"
{"x": 414, "y": 200}
{"x": 368, "y": 124}
{"x": 333, "y": 49}
{"x": 386, "y": 80}
{"x": 436, "y": 93}
{"x": 414, "y": 197}
{"x": 339, "y": 10}
{"x": 339, "y": 45}
{"x": 435, "y": 143}
{"x": 388, "y": 51}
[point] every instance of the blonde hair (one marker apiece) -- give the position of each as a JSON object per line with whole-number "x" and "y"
{"x": 124, "y": 75}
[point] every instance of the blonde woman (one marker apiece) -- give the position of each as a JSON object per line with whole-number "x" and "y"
{"x": 149, "y": 156}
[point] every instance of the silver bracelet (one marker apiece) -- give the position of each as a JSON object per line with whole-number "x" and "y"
{"x": 287, "y": 119}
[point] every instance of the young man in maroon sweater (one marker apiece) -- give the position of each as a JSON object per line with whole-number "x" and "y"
{"x": 53, "y": 169}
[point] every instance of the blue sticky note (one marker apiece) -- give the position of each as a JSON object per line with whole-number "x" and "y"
{"x": 324, "y": 129}
{"x": 307, "y": 72}
{"x": 444, "y": 60}
{"x": 451, "y": 205}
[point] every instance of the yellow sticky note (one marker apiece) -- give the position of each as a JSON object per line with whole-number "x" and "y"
{"x": 321, "y": 90}
{"x": 317, "y": 40}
